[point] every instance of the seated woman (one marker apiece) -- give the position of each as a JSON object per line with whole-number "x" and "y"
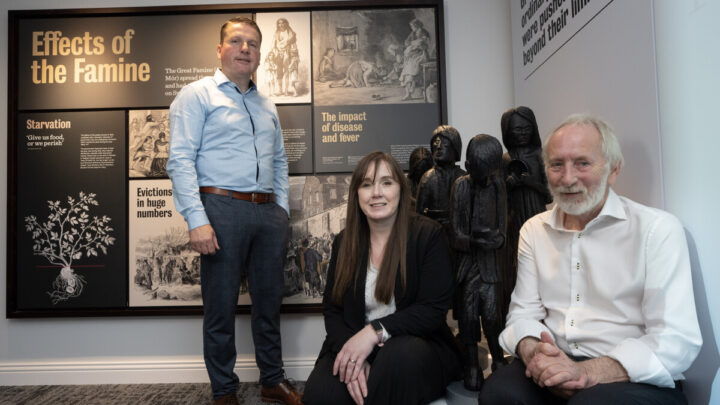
{"x": 389, "y": 287}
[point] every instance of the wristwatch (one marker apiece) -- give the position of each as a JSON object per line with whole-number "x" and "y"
{"x": 379, "y": 331}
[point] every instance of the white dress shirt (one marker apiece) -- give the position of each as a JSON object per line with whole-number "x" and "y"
{"x": 620, "y": 288}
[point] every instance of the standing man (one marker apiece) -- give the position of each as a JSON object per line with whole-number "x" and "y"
{"x": 230, "y": 182}
{"x": 603, "y": 309}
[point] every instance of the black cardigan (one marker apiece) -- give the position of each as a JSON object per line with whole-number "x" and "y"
{"x": 420, "y": 311}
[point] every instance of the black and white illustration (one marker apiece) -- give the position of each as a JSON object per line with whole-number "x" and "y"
{"x": 66, "y": 236}
{"x": 163, "y": 270}
{"x": 149, "y": 143}
{"x": 318, "y": 206}
{"x": 347, "y": 78}
{"x": 70, "y": 222}
{"x": 284, "y": 72}
{"x": 376, "y": 56}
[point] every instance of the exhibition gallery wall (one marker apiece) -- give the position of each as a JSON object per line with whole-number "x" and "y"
{"x": 111, "y": 318}
{"x": 89, "y": 97}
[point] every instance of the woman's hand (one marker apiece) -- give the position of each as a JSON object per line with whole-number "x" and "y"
{"x": 353, "y": 354}
{"x": 358, "y": 387}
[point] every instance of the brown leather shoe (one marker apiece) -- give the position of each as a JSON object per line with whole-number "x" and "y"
{"x": 283, "y": 393}
{"x": 227, "y": 399}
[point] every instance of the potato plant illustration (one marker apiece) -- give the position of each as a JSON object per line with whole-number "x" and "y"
{"x": 68, "y": 234}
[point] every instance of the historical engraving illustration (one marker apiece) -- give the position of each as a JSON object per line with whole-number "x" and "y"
{"x": 165, "y": 271}
{"x": 318, "y": 206}
{"x": 68, "y": 235}
{"x": 386, "y": 56}
{"x": 284, "y": 72}
{"x": 149, "y": 143}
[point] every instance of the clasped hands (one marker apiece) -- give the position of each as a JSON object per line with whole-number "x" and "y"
{"x": 351, "y": 363}
{"x": 550, "y": 367}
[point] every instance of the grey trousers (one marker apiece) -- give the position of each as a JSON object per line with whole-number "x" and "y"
{"x": 252, "y": 239}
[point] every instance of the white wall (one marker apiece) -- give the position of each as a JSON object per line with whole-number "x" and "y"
{"x": 169, "y": 349}
{"x": 608, "y": 69}
{"x": 688, "y": 86}
{"x": 479, "y": 66}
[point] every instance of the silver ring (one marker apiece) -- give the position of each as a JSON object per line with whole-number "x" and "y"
{"x": 352, "y": 361}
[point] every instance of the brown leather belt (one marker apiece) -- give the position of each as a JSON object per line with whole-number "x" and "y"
{"x": 257, "y": 198}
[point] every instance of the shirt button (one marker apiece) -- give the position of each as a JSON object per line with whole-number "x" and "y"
{"x": 579, "y": 235}
{"x": 575, "y": 344}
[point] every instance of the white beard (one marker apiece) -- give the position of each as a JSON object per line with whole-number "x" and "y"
{"x": 590, "y": 200}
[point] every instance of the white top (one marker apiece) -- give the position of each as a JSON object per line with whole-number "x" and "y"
{"x": 373, "y": 308}
{"x": 620, "y": 288}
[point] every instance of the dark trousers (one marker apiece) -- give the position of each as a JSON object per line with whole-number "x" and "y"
{"x": 508, "y": 385}
{"x": 252, "y": 239}
{"x": 406, "y": 370}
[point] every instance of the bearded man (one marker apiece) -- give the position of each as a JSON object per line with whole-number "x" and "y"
{"x": 603, "y": 308}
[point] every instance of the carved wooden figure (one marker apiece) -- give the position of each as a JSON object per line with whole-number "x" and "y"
{"x": 478, "y": 214}
{"x": 527, "y": 187}
{"x": 420, "y": 162}
{"x": 433, "y": 194}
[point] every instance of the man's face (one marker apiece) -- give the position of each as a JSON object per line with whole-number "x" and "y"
{"x": 239, "y": 53}
{"x": 577, "y": 172}
{"x": 442, "y": 150}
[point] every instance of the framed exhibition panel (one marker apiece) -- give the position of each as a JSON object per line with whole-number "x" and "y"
{"x": 92, "y": 226}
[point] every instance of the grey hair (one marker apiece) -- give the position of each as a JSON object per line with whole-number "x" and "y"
{"x": 610, "y": 145}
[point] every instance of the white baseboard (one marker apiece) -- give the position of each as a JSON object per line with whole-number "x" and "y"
{"x": 190, "y": 370}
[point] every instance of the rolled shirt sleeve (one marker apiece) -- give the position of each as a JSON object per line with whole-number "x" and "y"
{"x": 526, "y": 311}
{"x": 187, "y": 118}
{"x": 672, "y": 337}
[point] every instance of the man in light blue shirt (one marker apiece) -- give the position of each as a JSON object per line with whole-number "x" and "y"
{"x": 230, "y": 182}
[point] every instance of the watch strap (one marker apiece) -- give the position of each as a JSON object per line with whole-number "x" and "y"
{"x": 379, "y": 331}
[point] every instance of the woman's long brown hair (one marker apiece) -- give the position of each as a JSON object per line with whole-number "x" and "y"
{"x": 355, "y": 243}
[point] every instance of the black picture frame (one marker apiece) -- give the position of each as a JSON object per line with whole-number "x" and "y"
{"x": 53, "y": 165}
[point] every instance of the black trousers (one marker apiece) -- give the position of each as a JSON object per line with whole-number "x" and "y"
{"x": 508, "y": 385}
{"x": 406, "y": 370}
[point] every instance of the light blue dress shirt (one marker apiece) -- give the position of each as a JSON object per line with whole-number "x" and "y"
{"x": 222, "y": 137}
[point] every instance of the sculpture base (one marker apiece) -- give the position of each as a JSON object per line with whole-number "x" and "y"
{"x": 456, "y": 393}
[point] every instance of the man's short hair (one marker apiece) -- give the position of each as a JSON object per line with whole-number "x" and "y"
{"x": 610, "y": 145}
{"x": 239, "y": 20}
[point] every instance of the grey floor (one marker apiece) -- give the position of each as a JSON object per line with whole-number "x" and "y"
{"x": 123, "y": 394}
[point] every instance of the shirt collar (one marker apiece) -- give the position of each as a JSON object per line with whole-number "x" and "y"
{"x": 613, "y": 208}
{"x": 221, "y": 79}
